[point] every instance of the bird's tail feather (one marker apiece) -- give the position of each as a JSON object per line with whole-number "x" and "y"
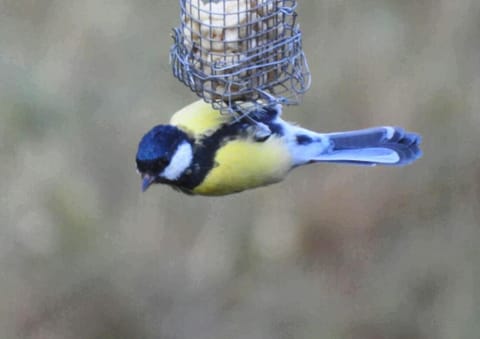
{"x": 390, "y": 146}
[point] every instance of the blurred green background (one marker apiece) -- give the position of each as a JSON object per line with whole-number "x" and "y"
{"x": 332, "y": 252}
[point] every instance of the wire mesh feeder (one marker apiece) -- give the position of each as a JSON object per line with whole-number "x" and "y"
{"x": 233, "y": 53}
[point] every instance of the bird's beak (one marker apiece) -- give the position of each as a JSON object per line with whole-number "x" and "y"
{"x": 147, "y": 180}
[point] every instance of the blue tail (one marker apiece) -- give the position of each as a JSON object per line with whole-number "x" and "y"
{"x": 389, "y": 146}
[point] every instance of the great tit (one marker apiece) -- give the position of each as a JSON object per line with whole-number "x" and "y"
{"x": 203, "y": 151}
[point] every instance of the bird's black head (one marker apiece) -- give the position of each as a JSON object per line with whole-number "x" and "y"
{"x": 164, "y": 153}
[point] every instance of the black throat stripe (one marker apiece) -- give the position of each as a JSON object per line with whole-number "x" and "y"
{"x": 204, "y": 150}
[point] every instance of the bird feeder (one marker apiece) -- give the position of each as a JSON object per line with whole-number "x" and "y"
{"x": 235, "y": 53}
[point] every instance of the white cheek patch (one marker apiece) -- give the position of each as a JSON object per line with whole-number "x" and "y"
{"x": 181, "y": 160}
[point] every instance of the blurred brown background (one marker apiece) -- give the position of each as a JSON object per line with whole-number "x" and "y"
{"x": 333, "y": 252}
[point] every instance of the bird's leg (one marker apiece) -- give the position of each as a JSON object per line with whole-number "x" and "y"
{"x": 261, "y": 131}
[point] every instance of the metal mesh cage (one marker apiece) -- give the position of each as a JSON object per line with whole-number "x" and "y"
{"x": 239, "y": 52}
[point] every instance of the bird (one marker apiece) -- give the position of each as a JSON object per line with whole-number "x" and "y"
{"x": 203, "y": 151}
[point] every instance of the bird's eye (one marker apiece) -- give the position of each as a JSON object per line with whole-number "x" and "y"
{"x": 163, "y": 161}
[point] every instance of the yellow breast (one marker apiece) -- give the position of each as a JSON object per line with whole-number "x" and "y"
{"x": 244, "y": 164}
{"x": 199, "y": 119}
{"x": 239, "y": 164}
